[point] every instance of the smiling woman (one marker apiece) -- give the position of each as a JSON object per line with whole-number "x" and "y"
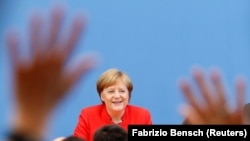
{"x": 114, "y": 88}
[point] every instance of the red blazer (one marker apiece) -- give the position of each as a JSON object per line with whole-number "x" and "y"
{"x": 93, "y": 117}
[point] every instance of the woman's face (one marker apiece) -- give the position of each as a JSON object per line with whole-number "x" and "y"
{"x": 115, "y": 97}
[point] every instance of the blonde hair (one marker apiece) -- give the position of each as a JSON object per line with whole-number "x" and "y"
{"x": 110, "y": 77}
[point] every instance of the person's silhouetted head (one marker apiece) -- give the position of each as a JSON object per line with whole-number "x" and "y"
{"x": 111, "y": 132}
{"x": 69, "y": 138}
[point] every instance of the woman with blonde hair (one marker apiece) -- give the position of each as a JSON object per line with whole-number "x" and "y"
{"x": 114, "y": 88}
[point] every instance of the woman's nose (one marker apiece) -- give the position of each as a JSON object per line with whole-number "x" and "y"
{"x": 117, "y": 94}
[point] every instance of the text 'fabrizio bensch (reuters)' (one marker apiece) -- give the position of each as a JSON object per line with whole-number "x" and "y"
{"x": 193, "y": 132}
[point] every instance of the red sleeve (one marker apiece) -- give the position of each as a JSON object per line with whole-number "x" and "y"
{"x": 148, "y": 118}
{"x": 82, "y": 127}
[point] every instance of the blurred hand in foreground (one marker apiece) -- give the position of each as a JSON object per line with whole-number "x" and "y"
{"x": 43, "y": 80}
{"x": 212, "y": 107}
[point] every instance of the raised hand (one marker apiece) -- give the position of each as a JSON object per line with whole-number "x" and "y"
{"x": 212, "y": 107}
{"x": 42, "y": 80}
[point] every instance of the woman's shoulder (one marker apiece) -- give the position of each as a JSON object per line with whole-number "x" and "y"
{"x": 137, "y": 109}
{"x": 93, "y": 108}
